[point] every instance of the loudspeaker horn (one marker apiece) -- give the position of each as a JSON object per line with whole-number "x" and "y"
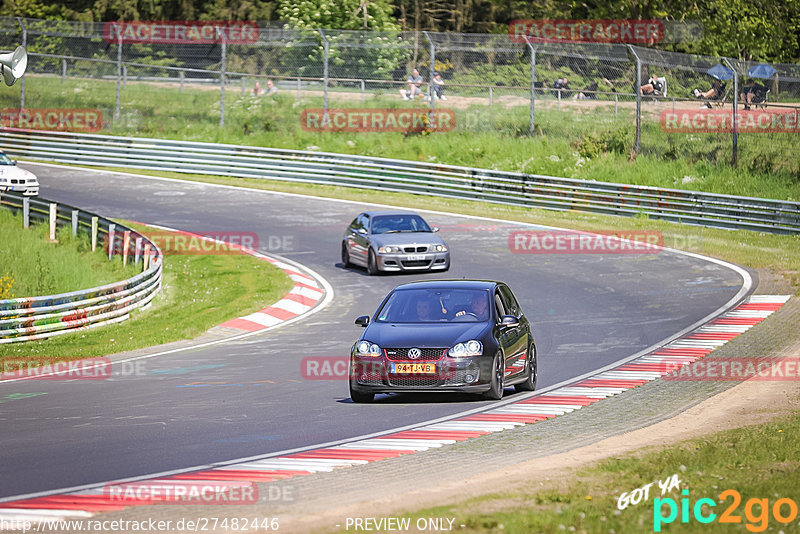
{"x": 13, "y": 65}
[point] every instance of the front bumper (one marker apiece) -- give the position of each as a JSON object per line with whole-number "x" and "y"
{"x": 425, "y": 261}
{"x": 380, "y": 375}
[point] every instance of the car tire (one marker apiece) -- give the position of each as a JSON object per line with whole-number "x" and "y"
{"x": 360, "y": 398}
{"x": 372, "y": 263}
{"x": 345, "y": 255}
{"x": 533, "y": 372}
{"x": 498, "y": 379}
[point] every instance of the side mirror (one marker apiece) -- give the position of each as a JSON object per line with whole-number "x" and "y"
{"x": 435, "y": 229}
{"x": 363, "y": 320}
{"x": 509, "y": 321}
{"x": 362, "y": 231}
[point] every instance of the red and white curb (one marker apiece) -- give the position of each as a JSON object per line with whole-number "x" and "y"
{"x": 306, "y": 294}
{"x": 662, "y": 361}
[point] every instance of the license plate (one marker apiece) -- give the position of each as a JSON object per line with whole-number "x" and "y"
{"x": 414, "y": 368}
{"x": 415, "y": 257}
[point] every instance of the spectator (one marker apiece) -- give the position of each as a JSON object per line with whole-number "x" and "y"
{"x": 751, "y": 92}
{"x": 560, "y": 85}
{"x": 715, "y": 93}
{"x": 654, "y": 85}
{"x": 257, "y": 90}
{"x": 414, "y": 86}
{"x": 271, "y": 89}
{"x": 438, "y": 86}
{"x": 588, "y": 93}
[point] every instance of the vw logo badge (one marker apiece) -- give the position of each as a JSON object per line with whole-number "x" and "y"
{"x": 414, "y": 353}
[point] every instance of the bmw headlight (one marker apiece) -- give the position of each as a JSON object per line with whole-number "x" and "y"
{"x": 388, "y": 249}
{"x": 440, "y": 248}
{"x": 472, "y": 347}
{"x": 365, "y": 348}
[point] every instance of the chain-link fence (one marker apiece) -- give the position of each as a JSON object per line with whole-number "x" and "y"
{"x": 598, "y": 97}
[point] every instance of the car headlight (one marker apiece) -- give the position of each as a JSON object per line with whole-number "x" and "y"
{"x": 472, "y": 347}
{"x": 440, "y": 248}
{"x": 388, "y": 250}
{"x": 365, "y": 348}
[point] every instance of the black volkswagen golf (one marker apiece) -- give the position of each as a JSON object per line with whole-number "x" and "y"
{"x": 444, "y": 335}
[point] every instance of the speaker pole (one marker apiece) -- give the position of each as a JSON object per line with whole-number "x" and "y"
{"x": 25, "y": 46}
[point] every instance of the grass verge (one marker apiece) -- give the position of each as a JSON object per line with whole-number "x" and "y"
{"x": 31, "y": 266}
{"x": 198, "y": 292}
{"x": 706, "y": 467}
{"x": 586, "y": 140}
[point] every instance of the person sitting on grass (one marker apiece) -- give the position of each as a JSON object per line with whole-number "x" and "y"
{"x": 438, "y": 86}
{"x": 414, "y": 86}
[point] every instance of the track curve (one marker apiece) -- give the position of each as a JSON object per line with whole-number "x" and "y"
{"x": 248, "y": 397}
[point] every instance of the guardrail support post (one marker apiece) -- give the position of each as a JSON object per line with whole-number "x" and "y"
{"x": 111, "y": 231}
{"x": 53, "y": 219}
{"x": 146, "y": 262}
{"x": 94, "y": 234}
{"x": 26, "y": 212}
{"x": 126, "y": 244}
{"x": 75, "y": 222}
{"x": 137, "y": 249}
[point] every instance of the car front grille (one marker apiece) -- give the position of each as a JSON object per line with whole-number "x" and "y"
{"x": 416, "y": 249}
{"x": 428, "y": 355}
{"x": 413, "y": 381}
{"x": 416, "y": 263}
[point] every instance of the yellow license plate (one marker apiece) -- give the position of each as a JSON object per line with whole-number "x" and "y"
{"x": 415, "y": 368}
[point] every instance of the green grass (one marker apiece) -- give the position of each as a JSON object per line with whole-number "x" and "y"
{"x": 759, "y": 462}
{"x": 33, "y": 267}
{"x": 578, "y": 142}
{"x": 198, "y": 292}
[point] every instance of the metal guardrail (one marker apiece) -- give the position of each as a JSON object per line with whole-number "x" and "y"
{"x": 25, "y": 319}
{"x": 499, "y": 187}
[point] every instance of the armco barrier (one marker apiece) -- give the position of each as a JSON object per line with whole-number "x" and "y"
{"x": 705, "y": 209}
{"x": 25, "y": 319}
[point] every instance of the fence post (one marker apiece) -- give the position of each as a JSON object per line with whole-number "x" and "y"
{"x": 533, "y": 83}
{"x": 559, "y": 99}
{"x": 126, "y": 243}
{"x": 119, "y": 75}
{"x": 616, "y": 105}
{"x": 244, "y": 85}
{"x": 112, "y": 229}
{"x": 182, "y": 76}
{"x": 734, "y": 117}
{"x": 362, "y": 91}
{"x": 26, "y": 212}
{"x": 326, "y": 51}
{"x": 63, "y": 71}
{"x": 124, "y": 76}
{"x": 53, "y": 220}
{"x": 222, "y": 81}
{"x": 298, "y": 88}
{"x": 432, "y": 52}
{"x": 491, "y": 95}
{"x": 75, "y": 222}
{"x": 25, "y": 46}
{"x": 638, "y": 100}
{"x": 94, "y": 234}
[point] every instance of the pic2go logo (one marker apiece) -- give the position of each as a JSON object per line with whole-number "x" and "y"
{"x": 756, "y": 511}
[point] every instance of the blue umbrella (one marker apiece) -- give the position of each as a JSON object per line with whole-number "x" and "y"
{"x": 761, "y": 71}
{"x": 720, "y": 72}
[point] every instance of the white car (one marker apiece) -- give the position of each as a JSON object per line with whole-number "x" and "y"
{"x": 14, "y": 178}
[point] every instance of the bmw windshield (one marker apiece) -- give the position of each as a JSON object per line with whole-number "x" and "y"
{"x": 5, "y": 160}
{"x": 390, "y": 224}
{"x": 435, "y": 305}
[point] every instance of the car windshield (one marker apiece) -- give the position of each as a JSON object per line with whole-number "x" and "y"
{"x": 387, "y": 224}
{"x": 435, "y": 305}
{"x": 5, "y": 160}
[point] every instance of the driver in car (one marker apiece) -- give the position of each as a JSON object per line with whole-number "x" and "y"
{"x": 425, "y": 311}
{"x": 479, "y": 307}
